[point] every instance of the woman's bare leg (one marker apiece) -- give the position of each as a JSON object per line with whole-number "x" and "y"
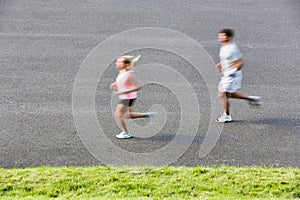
{"x": 121, "y": 112}
{"x": 134, "y": 115}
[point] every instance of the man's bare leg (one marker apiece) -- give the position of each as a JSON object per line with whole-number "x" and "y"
{"x": 225, "y": 102}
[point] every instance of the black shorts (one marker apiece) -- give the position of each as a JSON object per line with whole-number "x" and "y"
{"x": 127, "y": 102}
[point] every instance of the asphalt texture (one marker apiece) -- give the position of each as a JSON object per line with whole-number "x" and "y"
{"x": 44, "y": 43}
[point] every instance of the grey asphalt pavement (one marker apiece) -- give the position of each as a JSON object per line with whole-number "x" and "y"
{"x": 44, "y": 43}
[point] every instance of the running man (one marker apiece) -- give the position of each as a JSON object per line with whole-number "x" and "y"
{"x": 230, "y": 66}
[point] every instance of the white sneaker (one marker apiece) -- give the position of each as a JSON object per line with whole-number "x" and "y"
{"x": 224, "y": 118}
{"x": 124, "y": 135}
{"x": 256, "y": 100}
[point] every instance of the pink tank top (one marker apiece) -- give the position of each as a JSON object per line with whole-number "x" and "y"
{"x": 123, "y": 85}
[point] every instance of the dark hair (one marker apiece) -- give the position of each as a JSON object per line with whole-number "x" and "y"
{"x": 228, "y": 32}
{"x": 126, "y": 61}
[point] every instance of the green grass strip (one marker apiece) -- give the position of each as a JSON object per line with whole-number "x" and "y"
{"x": 150, "y": 183}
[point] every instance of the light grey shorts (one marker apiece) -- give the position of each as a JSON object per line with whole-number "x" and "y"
{"x": 232, "y": 83}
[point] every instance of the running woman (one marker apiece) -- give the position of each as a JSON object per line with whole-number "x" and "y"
{"x": 230, "y": 66}
{"x": 127, "y": 88}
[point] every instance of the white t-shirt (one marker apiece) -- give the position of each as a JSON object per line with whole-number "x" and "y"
{"x": 228, "y": 54}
